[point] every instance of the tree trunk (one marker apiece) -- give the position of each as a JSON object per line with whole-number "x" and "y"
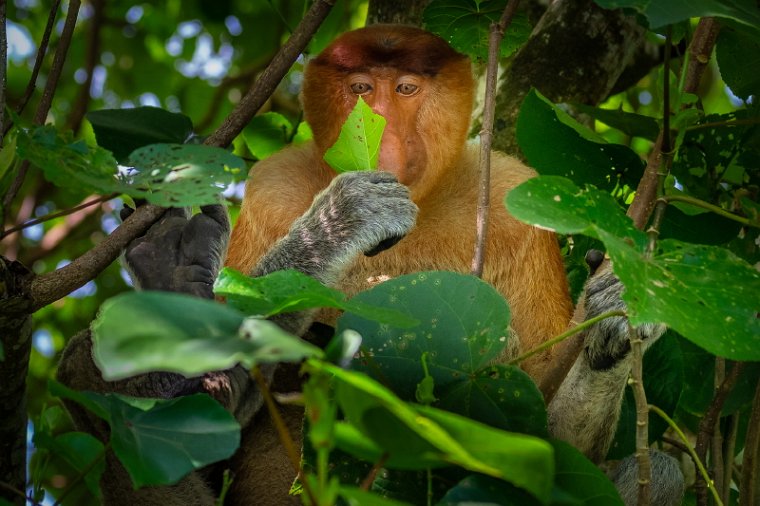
{"x": 576, "y": 53}
{"x": 396, "y": 11}
{"x": 15, "y": 332}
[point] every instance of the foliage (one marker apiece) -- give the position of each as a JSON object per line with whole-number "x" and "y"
{"x": 414, "y": 391}
{"x": 358, "y": 144}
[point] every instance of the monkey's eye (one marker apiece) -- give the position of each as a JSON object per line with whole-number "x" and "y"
{"x": 361, "y": 88}
{"x": 407, "y": 89}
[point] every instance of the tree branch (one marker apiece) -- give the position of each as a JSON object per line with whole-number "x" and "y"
{"x": 52, "y": 286}
{"x": 708, "y": 423}
{"x": 486, "y": 134}
{"x": 49, "y": 92}
{"x": 82, "y": 100}
{"x": 271, "y": 77}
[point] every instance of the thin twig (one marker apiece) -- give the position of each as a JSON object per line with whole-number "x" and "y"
{"x": 271, "y": 77}
{"x": 576, "y": 329}
{"x": 49, "y": 92}
{"x": 39, "y": 58}
{"x": 282, "y": 430}
{"x": 370, "y": 478}
{"x": 57, "y": 214}
{"x": 728, "y": 455}
{"x": 10, "y": 488}
{"x": 79, "y": 108}
{"x": 716, "y": 441}
{"x": 692, "y": 453}
{"x": 486, "y": 134}
{"x": 708, "y": 422}
{"x": 52, "y": 286}
{"x": 3, "y": 69}
{"x": 699, "y": 50}
{"x": 642, "y": 418}
{"x": 748, "y": 485}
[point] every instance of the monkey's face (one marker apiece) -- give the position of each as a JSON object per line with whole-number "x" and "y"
{"x": 414, "y": 79}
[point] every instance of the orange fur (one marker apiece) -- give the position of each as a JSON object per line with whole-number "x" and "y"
{"x": 522, "y": 262}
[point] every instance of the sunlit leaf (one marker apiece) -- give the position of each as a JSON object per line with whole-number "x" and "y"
{"x": 358, "y": 145}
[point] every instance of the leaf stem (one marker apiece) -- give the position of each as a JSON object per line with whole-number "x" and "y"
{"x": 686, "y": 199}
{"x": 558, "y": 339}
{"x": 642, "y": 418}
{"x": 692, "y": 453}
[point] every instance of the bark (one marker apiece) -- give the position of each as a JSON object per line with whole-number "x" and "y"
{"x": 15, "y": 332}
{"x": 576, "y": 53}
{"x": 396, "y": 11}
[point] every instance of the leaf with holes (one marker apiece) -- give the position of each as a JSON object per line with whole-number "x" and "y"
{"x": 174, "y": 175}
{"x": 358, "y": 145}
{"x": 707, "y": 294}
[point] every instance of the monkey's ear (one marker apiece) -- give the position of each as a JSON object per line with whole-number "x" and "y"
{"x": 384, "y": 245}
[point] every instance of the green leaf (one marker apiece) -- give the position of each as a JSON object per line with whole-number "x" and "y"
{"x": 463, "y": 326}
{"x": 660, "y": 13}
{"x": 358, "y": 497}
{"x": 7, "y": 154}
{"x": 577, "y": 152}
{"x": 698, "y": 391}
{"x": 167, "y": 174}
{"x": 83, "y": 452}
{"x": 121, "y": 131}
{"x": 421, "y": 437}
{"x": 705, "y": 293}
{"x": 182, "y": 174}
{"x": 160, "y": 441}
{"x": 579, "y": 478}
{"x": 663, "y": 381}
{"x": 290, "y": 290}
{"x": 485, "y": 491}
{"x": 358, "y": 145}
{"x": 162, "y": 444}
{"x": 738, "y": 57}
{"x": 635, "y": 125}
{"x": 266, "y": 134}
{"x": 139, "y": 332}
{"x": 504, "y": 397}
{"x": 465, "y": 25}
{"x": 68, "y": 163}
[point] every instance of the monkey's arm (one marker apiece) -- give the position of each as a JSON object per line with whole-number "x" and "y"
{"x": 586, "y": 407}
{"x": 358, "y": 213}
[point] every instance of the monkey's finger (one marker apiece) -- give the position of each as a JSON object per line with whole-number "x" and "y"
{"x": 218, "y": 213}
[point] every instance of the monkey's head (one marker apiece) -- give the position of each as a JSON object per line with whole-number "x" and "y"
{"x": 413, "y": 78}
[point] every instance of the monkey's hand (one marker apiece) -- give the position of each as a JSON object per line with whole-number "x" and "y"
{"x": 360, "y": 212}
{"x": 607, "y": 342}
{"x": 178, "y": 253}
